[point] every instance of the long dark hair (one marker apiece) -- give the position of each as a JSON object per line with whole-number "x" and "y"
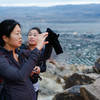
{"x": 6, "y": 27}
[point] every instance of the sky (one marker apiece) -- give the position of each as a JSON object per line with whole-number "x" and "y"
{"x": 44, "y": 2}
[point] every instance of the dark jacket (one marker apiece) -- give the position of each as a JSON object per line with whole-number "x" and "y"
{"x": 16, "y": 74}
{"x": 45, "y": 54}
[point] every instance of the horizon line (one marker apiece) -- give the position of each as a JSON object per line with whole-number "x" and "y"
{"x": 34, "y": 5}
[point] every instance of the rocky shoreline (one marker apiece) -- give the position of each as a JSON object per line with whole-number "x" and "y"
{"x": 69, "y": 82}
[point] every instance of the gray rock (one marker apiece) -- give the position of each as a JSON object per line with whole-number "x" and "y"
{"x": 77, "y": 79}
{"x": 91, "y": 92}
{"x": 68, "y": 96}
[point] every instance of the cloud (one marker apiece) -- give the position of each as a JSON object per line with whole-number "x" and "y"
{"x": 46, "y": 4}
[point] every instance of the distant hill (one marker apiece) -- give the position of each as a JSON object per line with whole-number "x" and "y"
{"x": 56, "y": 14}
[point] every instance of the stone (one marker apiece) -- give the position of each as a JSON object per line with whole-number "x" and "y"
{"x": 91, "y": 92}
{"x": 77, "y": 79}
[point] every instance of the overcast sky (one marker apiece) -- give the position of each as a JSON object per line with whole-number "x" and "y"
{"x": 44, "y": 2}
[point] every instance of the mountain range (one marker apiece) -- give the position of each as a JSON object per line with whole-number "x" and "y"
{"x": 54, "y": 14}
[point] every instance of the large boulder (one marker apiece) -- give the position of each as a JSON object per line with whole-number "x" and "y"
{"x": 67, "y": 96}
{"x": 91, "y": 92}
{"x": 77, "y": 79}
{"x": 72, "y": 93}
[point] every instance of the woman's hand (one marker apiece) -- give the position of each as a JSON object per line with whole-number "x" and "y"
{"x": 41, "y": 40}
{"x": 36, "y": 70}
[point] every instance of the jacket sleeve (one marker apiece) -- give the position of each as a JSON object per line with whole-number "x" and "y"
{"x": 43, "y": 66}
{"x": 47, "y": 51}
{"x": 42, "y": 62}
{"x": 7, "y": 71}
{"x": 45, "y": 54}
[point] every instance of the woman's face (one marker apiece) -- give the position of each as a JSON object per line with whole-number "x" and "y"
{"x": 33, "y": 37}
{"x": 15, "y": 39}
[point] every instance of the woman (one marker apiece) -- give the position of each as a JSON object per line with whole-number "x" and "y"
{"x": 14, "y": 68}
{"x": 41, "y": 65}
